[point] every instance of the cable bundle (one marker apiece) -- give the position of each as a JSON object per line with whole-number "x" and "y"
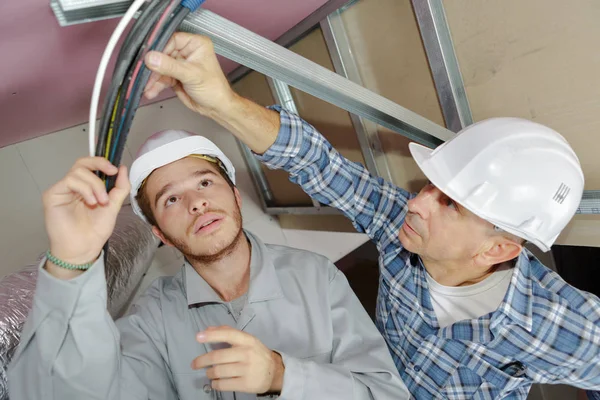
{"x": 152, "y": 30}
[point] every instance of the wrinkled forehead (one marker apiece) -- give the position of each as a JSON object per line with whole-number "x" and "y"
{"x": 180, "y": 170}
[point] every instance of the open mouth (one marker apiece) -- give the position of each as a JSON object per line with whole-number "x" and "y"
{"x": 207, "y": 225}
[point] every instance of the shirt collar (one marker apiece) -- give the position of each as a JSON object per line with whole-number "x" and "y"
{"x": 517, "y": 306}
{"x": 264, "y": 283}
{"x": 422, "y": 290}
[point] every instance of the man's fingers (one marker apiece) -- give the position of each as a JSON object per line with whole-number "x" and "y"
{"x": 74, "y": 184}
{"x": 154, "y": 77}
{"x": 225, "y": 371}
{"x": 119, "y": 193}
{"x": 157, "y": 84}
{"x": 216, "y": 357}
{"x": 97, "y": 186}
{"x": 96, "y": 164}
{"x": 183, "y": 96}
{"x": 225, "y": 334}
{"x": 229, "y": 385}
{"x": 187, "y": 43}
{"x": 168, "y": 66}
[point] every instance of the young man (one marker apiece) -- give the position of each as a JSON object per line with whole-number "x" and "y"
{"x": 466, "y": 311}
{"x": 241, "y": 319}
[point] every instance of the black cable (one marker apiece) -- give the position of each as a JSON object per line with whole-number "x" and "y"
{"x": 135, "y": 69}
{"x": 132, "y": 42}
{"x": 136, "y": 95}
{"x": 136, "y": 64}
{"x": 146, "y": 12}
{"x": 127, "y": 53}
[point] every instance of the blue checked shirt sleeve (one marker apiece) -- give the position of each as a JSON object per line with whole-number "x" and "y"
{"x": 576, "y": 339}
{"x": 374, "y": 206}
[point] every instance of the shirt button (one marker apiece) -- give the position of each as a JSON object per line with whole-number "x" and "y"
{"x": 417, "y": 368}
{"x": 207, "y": 388}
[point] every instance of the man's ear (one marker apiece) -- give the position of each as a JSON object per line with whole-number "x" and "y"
{"x": 158, "y": 233}
{"x": 500, "y": 250}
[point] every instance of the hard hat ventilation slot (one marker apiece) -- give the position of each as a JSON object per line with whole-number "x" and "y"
{"x": 562, "y": 193}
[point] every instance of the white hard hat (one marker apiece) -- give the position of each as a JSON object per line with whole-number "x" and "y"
{"x": 521, "y": 176}
{"x": 165, "y": 147}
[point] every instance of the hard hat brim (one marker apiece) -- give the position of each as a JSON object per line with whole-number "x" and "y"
{"x": 421, "y": 154}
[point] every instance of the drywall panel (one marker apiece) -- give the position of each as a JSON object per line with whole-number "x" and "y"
{"x": 48, "y": 62}
{"x": 584, "y": 230}
{"x": 386, "y": 43}
{"x": 254, "y": 86}
{"x": 22, "y": 234}
{"x": 65, "y": 147}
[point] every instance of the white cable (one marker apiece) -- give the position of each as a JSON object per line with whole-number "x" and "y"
{"x": 110, "y": 47}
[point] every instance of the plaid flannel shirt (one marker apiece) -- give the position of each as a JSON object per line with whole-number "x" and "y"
{"x": 544, "y": 331}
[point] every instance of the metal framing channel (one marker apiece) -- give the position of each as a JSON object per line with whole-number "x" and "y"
{"x": 283, "y": 96}
{"x": 345, "y": 65}
{"x": 295, "y": 33}
{"x": 590, "y": 203}
{"x": 437, "y": 41}
{"x": 243, "y": 46}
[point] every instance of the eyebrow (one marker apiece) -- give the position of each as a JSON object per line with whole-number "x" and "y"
{"x": 168, "y": 186}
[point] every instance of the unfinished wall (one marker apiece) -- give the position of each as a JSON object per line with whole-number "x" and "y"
{"x": 533, "y": 60}
{"x": 333, "y": 122}
{"x": 386, "y": 43}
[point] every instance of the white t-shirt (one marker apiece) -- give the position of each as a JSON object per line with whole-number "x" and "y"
{"x": 452, "y": 304}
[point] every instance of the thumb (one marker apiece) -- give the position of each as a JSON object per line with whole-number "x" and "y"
{"x": 168, "y": 66}
{"x": 122, "y": 187}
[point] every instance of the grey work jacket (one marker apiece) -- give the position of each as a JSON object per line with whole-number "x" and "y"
{"x": 299, "y": 304}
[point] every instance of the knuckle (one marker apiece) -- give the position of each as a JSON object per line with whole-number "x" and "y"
{"x": 80, "y": 161}
{"x": 69, "y": 180}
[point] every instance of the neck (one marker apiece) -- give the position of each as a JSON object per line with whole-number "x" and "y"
{"x": 229, "y": 276}
{"x": 457, "y": 273}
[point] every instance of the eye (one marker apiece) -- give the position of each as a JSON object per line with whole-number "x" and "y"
{"x": 451, "y": 204}
{"x": 204, "y": 183}
{"x": 170, "y": 201}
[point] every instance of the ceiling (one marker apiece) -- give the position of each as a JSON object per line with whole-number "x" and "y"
{"x": 48, "y": 71}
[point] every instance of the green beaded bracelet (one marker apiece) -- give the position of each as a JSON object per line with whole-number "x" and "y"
{"x": 66, "y": 265}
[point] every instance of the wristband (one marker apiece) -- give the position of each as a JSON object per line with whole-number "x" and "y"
{"x": 67, "y": 265}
